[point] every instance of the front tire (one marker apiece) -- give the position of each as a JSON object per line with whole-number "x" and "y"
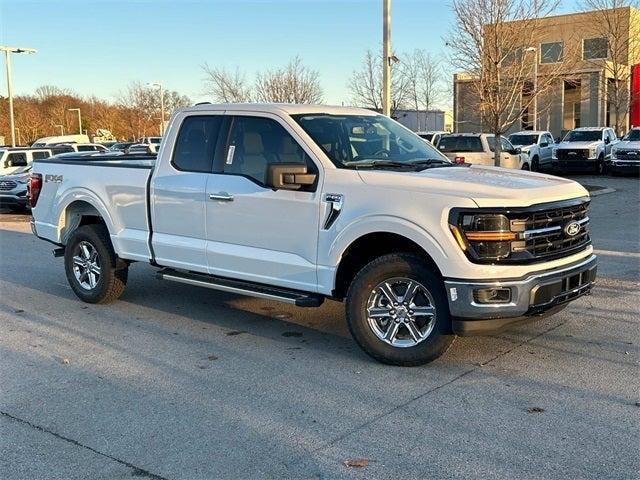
{"x": 397, "y": 311}
{"x": 94, "y": 271}
{"x": 535, "y": 164}
{"x": 600, "y": 166}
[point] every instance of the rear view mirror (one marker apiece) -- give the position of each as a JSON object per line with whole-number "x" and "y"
{"x": 289, "y": 176}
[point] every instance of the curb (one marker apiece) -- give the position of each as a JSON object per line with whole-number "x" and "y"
{"x": 602, "y": 191}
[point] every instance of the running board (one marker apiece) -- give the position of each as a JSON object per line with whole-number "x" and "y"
{"x": 293, "y": 297}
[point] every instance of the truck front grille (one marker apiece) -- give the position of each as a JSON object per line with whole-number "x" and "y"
{"x": 628, "y": 155}
{"x": 6, "y": 185}
{"x": 572, "y": 154}
{"x": 555, "y": 232}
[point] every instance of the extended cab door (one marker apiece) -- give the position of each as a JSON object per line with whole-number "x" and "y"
{"x": 178, "y": 191}
{"x": 255, "y": 232}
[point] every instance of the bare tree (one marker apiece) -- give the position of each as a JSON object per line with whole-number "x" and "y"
{"x": 611, "y": 20}
{"x": 423, "y": 75}
{"x": 491, "y": 40}
{"x": 365, "y": 85}
{"x": 294, "y": 83}
{"x": 225, "y": 86}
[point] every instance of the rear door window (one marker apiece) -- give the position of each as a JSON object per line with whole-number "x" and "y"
{"x": 196, "y": 143}
{"x": 40, "y": 155}
{"x": 459, "y": 143}
{"x": 16, "y": 159}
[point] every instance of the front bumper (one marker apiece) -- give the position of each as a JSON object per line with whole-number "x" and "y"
{"x": 573, "y": 165}
{"x": 631, "y": 166}
{"x": 13, "y": 201}
{"x": 537, "y": 294}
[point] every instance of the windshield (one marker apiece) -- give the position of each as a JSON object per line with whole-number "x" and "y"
{"x": 583, "y": 136}
{"x": 460, "y": 143}
{"x": 523, "y": 139}
{"x": 631, "y": 136}
{"x": 365, "y": 141}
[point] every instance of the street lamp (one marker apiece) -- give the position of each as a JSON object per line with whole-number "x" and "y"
{"x": 535, "y": 85}
{"x": 7, "y": 51}
{"x": 61, "y": 129}
{"x": 159, "y": 85}
{"x": 386, "y": 57}
{"x": 79, "y": 118}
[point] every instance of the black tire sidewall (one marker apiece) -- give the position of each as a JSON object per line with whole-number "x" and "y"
{"x": 398, "y": 265}
{"x": 106, "y": 256}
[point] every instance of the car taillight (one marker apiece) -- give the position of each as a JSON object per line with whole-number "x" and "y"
{"x": 33, "y": 189}
{"x": 458, "y": 160}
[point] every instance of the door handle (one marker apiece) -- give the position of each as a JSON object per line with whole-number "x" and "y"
{"x": 221, "y": 196}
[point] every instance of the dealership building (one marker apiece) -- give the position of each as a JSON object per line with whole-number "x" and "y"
{"x": 579, "y": 97}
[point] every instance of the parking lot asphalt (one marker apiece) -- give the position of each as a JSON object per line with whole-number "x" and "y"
{"x": 177, "y": 382}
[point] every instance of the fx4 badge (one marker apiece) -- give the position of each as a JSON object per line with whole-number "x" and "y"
{"x": 48, "y": 178}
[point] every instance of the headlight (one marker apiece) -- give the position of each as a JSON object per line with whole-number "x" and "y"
{"x": 614, "y": 154}
{"x": 484, "y": 236}
{"x": 554, "y": 153}
{"x": 592, "y": 152}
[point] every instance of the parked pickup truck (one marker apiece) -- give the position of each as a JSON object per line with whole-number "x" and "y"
{"x": 625, "y": 155}
{"x": 301, "y": 203}
{"x": 585, "y": 148}
{"x": 538, "y": 145}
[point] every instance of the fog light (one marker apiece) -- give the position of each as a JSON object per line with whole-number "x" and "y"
{"x": 492, "y": 295}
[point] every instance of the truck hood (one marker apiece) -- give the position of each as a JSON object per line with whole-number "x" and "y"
{"x": 583, "y": 145}
{"x": 627, "y": 145}
{"x": 486, "y": 186}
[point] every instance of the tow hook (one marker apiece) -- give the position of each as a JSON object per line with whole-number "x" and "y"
{"x": 58, "y": 252}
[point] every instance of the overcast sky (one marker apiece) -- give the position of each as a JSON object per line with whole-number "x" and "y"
{"x": 97, "y": 47}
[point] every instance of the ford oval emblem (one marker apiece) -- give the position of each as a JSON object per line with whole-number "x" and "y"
{"x": 572, "y": 229}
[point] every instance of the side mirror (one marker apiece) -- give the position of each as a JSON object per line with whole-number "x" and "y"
{"x": 516, "y": 151}
{"x": 607, "y": 141}
{"x": 289, "y": 176}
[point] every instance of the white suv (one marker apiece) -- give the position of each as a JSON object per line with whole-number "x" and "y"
{"x": 478, "y": 149}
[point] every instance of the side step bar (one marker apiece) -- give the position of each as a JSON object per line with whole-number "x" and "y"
{"x": 293, "y": 297}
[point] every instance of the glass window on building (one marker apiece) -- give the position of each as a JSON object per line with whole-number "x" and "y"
{"x": 595, "y": 48}
{"x": 551, "y": 52}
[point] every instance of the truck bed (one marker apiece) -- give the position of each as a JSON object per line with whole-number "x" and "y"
{"x": 116, "y": 186}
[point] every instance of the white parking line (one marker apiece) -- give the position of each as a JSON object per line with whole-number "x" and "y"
{"x": 615, "y": 253}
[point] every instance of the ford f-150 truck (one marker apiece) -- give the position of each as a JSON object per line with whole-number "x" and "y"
{"x": 299, "y": 203}
{"x": 625, "y": 156}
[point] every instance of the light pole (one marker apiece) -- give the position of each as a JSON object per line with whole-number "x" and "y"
{"x": 7, "y": 55}
{"x": 18, "y": 135}
{"x": 61, "y": 129}
{"x": 535, "y": 85}
{"x": 159, "y": 85}
{"x": 386, "y": 57}
{"x": 79, "y": 118}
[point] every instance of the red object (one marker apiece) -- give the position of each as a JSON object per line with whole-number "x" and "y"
{"x": 634, "y": 118}
{"x": 458, "y": 160}
{"x": 33, "y": 189}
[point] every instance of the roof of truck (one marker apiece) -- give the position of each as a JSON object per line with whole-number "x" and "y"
{"x": 286, "y": 108}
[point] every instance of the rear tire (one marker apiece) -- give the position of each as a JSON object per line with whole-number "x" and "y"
{"x": 408, "y": 333}
{"x": 94, "y": 271}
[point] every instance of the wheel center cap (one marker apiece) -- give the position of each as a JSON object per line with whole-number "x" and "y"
{"x": 401, "y": 312}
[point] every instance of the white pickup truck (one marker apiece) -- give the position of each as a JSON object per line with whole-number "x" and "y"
{"x": 300, "y": 203}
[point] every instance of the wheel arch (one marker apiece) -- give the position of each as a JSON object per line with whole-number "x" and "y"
{"x": 369, "y": 246}
{"x": 81, "y": 208}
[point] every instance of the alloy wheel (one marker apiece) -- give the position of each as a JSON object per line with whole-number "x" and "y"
{"x": 86, "y": 265}
{"x": 401, "y": 312}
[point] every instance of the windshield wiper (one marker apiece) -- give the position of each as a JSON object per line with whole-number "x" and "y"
{"x": 431, "y": 162}
{"x": 379, "y": 163}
